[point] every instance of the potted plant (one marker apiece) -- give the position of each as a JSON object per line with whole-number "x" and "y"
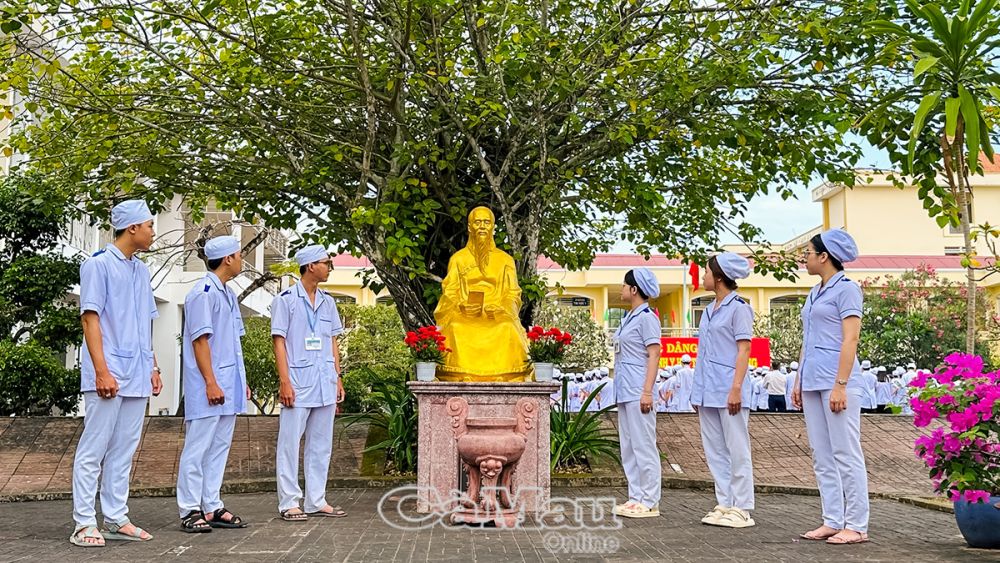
{"x": 546, "y": 349}
{"x": 427, "y": 346}
{"x": 963, "y": 450}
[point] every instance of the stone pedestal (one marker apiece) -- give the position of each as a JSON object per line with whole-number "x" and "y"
{"x": 439, "y": 469}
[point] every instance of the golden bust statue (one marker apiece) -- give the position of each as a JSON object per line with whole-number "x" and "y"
{"x": 478, "y": 310}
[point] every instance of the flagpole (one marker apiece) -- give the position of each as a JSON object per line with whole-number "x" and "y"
{"x": 685, "y": 303}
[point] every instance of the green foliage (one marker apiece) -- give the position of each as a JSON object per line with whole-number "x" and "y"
{"x": 258, "y": 357}
{"x": 36, "y": 322}
{"x": 783, "y": 325}
{"x": 578, "y": 438}
{"x": 396, "y": 414}
{"x": 590, "y": 347}
{"x": 34, "y": 278}
{"x": 580, "y": 123}
{"x": 372, "y": 353}
{"x": 920, "y": 316}
{"x": 33, "y": 381}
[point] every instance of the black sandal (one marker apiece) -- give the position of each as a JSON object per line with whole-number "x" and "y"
{"x": 217, "y": 521}
{"x": 194, "y": 523}
{"x": 289, "y": 516}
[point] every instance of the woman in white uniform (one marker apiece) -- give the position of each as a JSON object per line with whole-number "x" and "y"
{"x": 830, "y": 389}
{"x": 637, "y": 356}
{"x": 722, "y": 392}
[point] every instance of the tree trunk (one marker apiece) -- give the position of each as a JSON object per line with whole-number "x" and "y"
{"x": 964, "y": 210}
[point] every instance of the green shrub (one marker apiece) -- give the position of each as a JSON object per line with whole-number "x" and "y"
{"x": 33, "y": 381}
{"x": 372, "y": 352}
{"x": 258, "y": 357}
{"x": 395, "y": 413}
{"x": 578, "y": 438}
{"x": 590, "y": 347}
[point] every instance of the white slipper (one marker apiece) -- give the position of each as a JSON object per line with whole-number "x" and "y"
{"x": 735, "y": 518}
{"x": 640, "y": 511}
{"x": 712, "y": 518}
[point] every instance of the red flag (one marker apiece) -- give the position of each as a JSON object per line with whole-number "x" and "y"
{"x": 695, "y": 275}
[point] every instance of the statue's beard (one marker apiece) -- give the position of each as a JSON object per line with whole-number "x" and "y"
{"x": 481, "y": 246}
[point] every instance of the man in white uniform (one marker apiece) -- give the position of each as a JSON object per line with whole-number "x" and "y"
{"x": 117, "y": 375}
{"x": 214, "y": 389}
{"x": 305, "y": 324}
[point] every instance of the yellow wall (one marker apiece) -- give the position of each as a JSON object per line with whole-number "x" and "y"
{"x": 887, "y": 220}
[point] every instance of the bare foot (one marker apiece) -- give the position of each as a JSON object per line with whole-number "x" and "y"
{"x": 95, "y": 539}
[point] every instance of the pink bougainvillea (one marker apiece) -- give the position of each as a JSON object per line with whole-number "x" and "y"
{"x": 963, "y": 449}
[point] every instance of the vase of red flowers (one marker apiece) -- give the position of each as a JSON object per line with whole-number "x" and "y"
{"x": 546, "y": 348}
{"x": 427, "y": 346}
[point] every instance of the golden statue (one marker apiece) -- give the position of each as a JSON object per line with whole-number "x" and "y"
{"x": 478, "y": 310}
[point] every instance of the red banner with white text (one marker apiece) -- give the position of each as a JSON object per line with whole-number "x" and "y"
{"x": 672, "y": 348}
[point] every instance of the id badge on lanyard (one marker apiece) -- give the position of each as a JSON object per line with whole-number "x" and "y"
{"x": 313, "y": 342}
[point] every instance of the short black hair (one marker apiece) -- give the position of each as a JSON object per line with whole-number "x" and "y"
{"x": 713, "y": 265}
{"x": 214, "y": 263}
{"x": 303, "y": 268}
{"x": 817, "y": 243}
{"x": 630, "y": 280}
{"x": 119, "y": 232}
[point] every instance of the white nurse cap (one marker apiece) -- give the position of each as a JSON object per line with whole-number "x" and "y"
{"x": 840, "y": 245}
{"x": 733, "y": 265}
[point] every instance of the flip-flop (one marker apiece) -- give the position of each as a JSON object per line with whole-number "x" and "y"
{"x": 233, "y": 522}
{"x": 114, "y": 532}
{"x": 88, "y": 532}
{"x": 294, "y": 517}
{"x": 862, "y": 538}
{"x": 335, "y": 513}
{"x": 817, "y": 537}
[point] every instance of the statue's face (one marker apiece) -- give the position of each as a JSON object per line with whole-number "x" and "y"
{"x": 481, "y": 224}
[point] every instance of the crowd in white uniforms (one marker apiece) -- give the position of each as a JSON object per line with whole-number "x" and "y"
{"x": 771, "y": 389}
{"x": 119, "y": 373}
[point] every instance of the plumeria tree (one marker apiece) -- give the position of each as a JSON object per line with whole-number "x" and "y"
{"x": 940, "y": 64}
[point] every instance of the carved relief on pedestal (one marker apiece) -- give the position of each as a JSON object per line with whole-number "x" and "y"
{"x": 490, "y": 449}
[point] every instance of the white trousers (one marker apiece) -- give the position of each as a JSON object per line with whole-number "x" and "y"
{"x": 726, "y": 440}
{"x": 839, "y": 463}
{"x": 316, "y": 423}
{"x": 640, "y": 456}
{"x": 112, "y": 429}
{"x": 203, "y": 463}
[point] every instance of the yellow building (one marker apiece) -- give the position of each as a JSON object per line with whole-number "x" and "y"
{"x": 893, "y": 232}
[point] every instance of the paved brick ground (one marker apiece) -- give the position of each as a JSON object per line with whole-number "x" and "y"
{"x": 36, "y": 454}
{"x": 39, "y": 532}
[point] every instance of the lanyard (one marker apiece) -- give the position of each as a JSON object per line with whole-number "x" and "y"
{"x": 310, "y": 315}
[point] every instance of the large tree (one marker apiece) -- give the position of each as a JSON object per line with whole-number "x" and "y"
{"x": 377, "y": 125}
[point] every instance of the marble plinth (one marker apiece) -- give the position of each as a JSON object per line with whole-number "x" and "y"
{"x": 439, "y": 472}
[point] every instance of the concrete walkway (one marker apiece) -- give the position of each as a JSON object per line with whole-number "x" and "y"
{"x": 38, "y": 532}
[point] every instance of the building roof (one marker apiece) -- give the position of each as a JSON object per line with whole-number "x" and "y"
{"x": 871, "y": 262}
{"x": 989, "y": 166}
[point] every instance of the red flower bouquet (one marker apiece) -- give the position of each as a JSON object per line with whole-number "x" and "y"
{"x": 426, "y": 344}
{"x": 547, "y": 346}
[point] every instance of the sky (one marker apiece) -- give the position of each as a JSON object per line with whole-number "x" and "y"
{"x": 783, "y": 220}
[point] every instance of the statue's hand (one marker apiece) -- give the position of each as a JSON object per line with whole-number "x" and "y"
{"x": 471, "y": 310}
{"x": 492, "y": 310}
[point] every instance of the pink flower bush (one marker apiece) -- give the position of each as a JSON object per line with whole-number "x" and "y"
{"x": 963, "y": 449}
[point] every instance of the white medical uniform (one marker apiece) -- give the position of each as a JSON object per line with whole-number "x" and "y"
{"x": 119, "y": 291}
{"x": 637, "y": 431}
{"x": 210, "y": 309}
{"x": 835, "y": 438}
{"x": 314, "y": 379}
{"x": 725, "y": 437}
